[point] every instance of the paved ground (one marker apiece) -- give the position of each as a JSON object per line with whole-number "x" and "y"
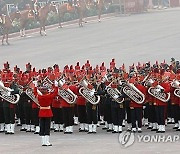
{"x": 144, "y": 37}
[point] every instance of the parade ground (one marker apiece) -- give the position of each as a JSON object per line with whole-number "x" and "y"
{"x": 150, "y": 36}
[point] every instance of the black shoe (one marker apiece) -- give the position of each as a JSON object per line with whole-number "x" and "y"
{"x": 104, "y": 128}
{"x": 149, "y": 128}
{"x": 1, "y": 131}
{"x": 44, "y": 145}
{"x": 154, "y": 129}
{"x": 177, "y": 129}
{"x": 36, "y": 132}
{"x": 162, "y": 131}
{"x": 90, "y": 132}
{"x": 120, "y": 131}
{"x": 56, "y": 130}
{"x": 94, "y": 132}
{"x": 49, "y": 145}
{"x": 22, "y": 129}
{"x": 109, "y": 130}
{"x": 61, "y": 131}
{"x": 158, "y": 131}
{"x": 7, "y": 133}
{"x": 81, "y": 130}
{"x": 140, "y": 131}
{"x": 28, "y": 131}
{"x": 66, "y": 132}
{"x": 19, "y": 125}
{"x": 114, "y": 132}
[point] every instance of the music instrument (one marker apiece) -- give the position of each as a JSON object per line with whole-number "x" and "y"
{"x": 114, "y": 93}
{"x": 87, "y": 93}
{"x": 133, "y": 93}
{"x": 66, "y": 94}
{"x": 177, "y": 92}
{"x": 176, "y": 84}
{"x": 158, "y": 93}
{"x": 5, "y": 93}
{"x": 29, "y": 92}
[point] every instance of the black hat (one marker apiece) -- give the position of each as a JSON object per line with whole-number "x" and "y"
{"x": 172, "y": 59}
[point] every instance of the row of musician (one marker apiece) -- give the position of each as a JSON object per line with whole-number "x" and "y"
{"x": 140, "y": 92}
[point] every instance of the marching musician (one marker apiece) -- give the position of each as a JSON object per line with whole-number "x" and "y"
{"x": 137, "y": 109}
{"x": 160, "y": 106}
{"x": 45, "y": 113}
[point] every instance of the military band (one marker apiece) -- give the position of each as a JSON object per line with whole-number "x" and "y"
{"x": 146, "y": 94}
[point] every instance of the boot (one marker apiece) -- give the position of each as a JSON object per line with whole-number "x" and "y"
{"x": 133, "y": 130}
{"x": 102, "y": 120}
{"x": 159, "y": 129}
{"x": 56, "y": 127}
{"x": 28, "y": 128}
{"x": 115, "y": 129}
{"x": 105, "y": 126}
{"x": 124, "y": 123}
{"x": 154, "y": 128}
{"x": 61, "y": 128}
{"x": 86, "y": 127}
{"x": 94, "y": 128}
{"x": 139, "y": 130}
{"x": 150, "y": 125}
{"x": 18, "y": 122}
{"x": 47, "y": 143}
{"x": 179, "y": 126}
{"x": 70, "y": 129}
{"x": 37, "y": 130}
{"x": 32, "y": 128}
{"x": 66, "y": 130}
{"x": 12, "y": 128}
{"x": 52, "y": 125}
{"x": 81, "y": 127}
{"x": 128, "y": 127}
{"x": 8, "y": 128}
{"x": 23, "y": 128}
{"x": 90, "y": 129}
{"x": 163, "y": 129}
{"x": 110, "y": 128}
{"x": 176, "y": 126}
{"x": 1, "y": 127}
{"x": 43, "y": 142}
{"x": 76, "y": 121}
{"x": 120, "y": 129}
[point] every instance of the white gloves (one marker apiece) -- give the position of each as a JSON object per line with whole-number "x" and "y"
{"x": 56, "y": 83}
{"x": 35, "y": 83}
{"x": 116, "y": 96}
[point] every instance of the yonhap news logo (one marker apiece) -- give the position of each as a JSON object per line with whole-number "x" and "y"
{"x": 127, "y": 138}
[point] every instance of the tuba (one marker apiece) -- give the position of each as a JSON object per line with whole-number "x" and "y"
{"x": 30, "y": 94}
{"x": 5, "y": 93}
{"x": 66, "y": 94}
{"x": 176, "y": 84}
{"x": 87, "y": 93}
{"x": 133, "y": 93}
{"x": 115, "y": 93}
{"x": 157, "y": 93}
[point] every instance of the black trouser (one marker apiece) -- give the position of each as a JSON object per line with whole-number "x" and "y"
{"x": 169, "y": 110}
{"x": 21, "y": 112}
{"x": 9, "y": 115}
{"x": 117, "y": 113}
{"x": 82, "y": 115}
{"x": 152, "y": 114}
{"x": 160, "y": 115}
{"x": 92, "y": 115}
{"x": 146, "y": 111}
{"x": 57, "y": 115}
{"x": 1, "y": 113}
{"x": 75, "y": 111}
{"x": 28, "y": 113}
{"x": 101, "y": 106}
{"x": 128, "y": 111}
{"x": 175, "y": 113}
{"x": 45, "y": 126}
{"x": 35, "y": 118}
{"x": 68, "y": 116}
{"x": 107, "y": 113}
{"x": 136, "y": 115}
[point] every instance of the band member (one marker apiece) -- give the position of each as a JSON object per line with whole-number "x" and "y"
{"x": 68, "y": 113}
{"x": 137, "y": 109}
{"x": 81, "y": 108}
{"x": 45, "y": 112}
{"x": 160, "y": 106}
{"x": 57, "y": 114}
{"x": 117, "y": 111}
{"x": 9, "y": 110}
{"x": 92, "y": 110}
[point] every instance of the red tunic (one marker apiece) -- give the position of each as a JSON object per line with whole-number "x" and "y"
{"x": 133, "y": 104}
{"x": 56, "y": 102}
{"x": 45, "y": 101}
